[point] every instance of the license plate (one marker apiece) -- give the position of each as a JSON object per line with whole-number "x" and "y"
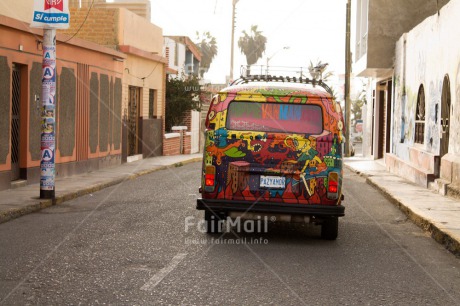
{"x": 272, "y": 181}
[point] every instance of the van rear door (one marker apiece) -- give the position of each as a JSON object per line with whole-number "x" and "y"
{"x": 275, "y": 140}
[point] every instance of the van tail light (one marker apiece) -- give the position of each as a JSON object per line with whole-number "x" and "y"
{"x": 209, "y": 178}
{"x": 333, "y": 186}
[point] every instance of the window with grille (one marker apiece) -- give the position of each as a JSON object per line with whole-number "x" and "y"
{"x": 420, "y": 116}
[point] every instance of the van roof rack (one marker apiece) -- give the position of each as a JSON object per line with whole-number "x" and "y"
{"x": 246, "y": 77}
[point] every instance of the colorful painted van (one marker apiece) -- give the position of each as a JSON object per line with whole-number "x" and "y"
{"x": 273, "y": 149}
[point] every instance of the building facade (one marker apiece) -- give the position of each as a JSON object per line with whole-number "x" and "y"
{"x": 110, "y": 87}
{"x": 144, "y": 72}
{"x": 89, "y": 97}
{"x": 183, "y": 55}
{"x": 183, "y": 58}
{"x": 426, "y": 117}
{"x": 408, "y": 51}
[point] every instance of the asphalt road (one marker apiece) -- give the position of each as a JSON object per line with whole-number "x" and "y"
{"x": 128, "y": 245}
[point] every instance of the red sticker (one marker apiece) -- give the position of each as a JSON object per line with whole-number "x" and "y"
{"x": 57, "y": 4}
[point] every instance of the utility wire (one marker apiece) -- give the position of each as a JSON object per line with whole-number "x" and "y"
{"x": 151, "y": 71}
{"x": 81, "y": 25}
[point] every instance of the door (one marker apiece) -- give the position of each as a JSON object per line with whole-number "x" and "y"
{"x": 15, "y": 122}
{"x": 383, "y": 118}
{"x": 445, "y": 116}
{"x": 381, "y": 121}
{"x": 195, "y": 132}
{"x": 388, "y": 117}
{"x": 373, "y": 123}
{"x": 133, "y": 120}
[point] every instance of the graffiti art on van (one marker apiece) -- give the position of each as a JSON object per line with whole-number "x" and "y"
{"x": 288, "y": 140}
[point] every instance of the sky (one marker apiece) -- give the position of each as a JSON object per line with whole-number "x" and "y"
{"x": 314, "y": 30}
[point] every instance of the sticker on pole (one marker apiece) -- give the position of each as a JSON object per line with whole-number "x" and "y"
{"x": 48, "y": 72}
{"x": 51, "y": 14}
{"x": 47, "y": 155}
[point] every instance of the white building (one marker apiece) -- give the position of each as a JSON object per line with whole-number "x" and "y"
{"x": 183, "y": 56}
{"x": 408, "y": 51}
{"x": 426, "y": 116}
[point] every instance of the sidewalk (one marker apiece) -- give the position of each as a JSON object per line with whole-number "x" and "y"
{"x": 437, "y": 214}
{"x": 23, "y": 200}
{"x": 434, "y": 213}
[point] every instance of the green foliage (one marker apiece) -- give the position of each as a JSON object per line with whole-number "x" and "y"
{"x": 208, "y": 47}
{"x": 357, "y": 109}
{"x": 357, "y": 104}
{"x": 182, "y": 95}
{"x": 252, "y": 45}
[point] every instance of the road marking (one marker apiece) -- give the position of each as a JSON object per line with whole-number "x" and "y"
{"x": 157, "y": 278}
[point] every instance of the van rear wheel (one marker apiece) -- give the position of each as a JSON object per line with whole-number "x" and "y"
{"x": 330, "y": 228}
{"x": 213, "y": 222}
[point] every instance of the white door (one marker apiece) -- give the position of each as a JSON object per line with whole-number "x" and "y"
{"x": 195, "y": 132}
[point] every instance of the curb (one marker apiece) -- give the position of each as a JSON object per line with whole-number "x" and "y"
{"x": 436, "y": 233}
{"x": 18, "y": 212}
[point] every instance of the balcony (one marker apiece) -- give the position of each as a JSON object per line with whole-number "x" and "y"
{"x": 379, "y": 25}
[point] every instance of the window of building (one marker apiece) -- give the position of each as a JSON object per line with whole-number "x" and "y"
{"x": 361, "y": 28}
{"x": 420, "y": 116}
{"x": 151, "y": 103}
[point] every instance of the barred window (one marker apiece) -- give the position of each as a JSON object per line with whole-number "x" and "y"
{"x": 420, "y": 116}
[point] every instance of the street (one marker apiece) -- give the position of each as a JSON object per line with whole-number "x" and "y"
{"x": 139, "y": 243}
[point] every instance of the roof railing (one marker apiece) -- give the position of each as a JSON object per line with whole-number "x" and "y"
{"x": 264, "y": 76}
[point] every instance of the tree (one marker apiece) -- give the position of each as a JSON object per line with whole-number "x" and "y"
{"x": 208, "y": 48}
{"x": 182, "y": 95}
{"x": 357, "y": 109}
{"x": 357, "y": 104}
{"x": 252, "y": 45}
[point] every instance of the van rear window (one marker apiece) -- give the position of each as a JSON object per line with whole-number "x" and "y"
{"x": 275, "y": 117}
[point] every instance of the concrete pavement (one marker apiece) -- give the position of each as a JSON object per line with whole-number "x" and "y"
{"x": 438, "y": 215}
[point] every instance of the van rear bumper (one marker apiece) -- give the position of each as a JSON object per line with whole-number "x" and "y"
{"x": 270, "y": 207}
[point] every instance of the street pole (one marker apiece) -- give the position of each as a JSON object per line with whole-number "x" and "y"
{"x": 48, "y": 140}
{"x": 233, "y": 39}
{"x": 347, "y": 80}
{"x": 49, "y": 15}
{"x": 270, "y": 57}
